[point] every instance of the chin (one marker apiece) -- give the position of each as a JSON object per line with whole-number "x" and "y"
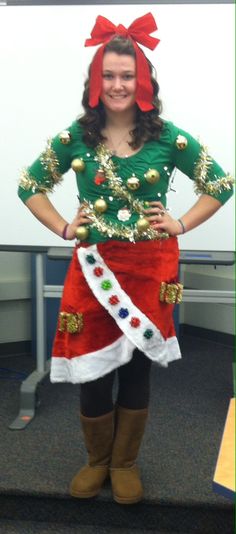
{"x": 120, "y": 109}
{"x": 118, "y": 106}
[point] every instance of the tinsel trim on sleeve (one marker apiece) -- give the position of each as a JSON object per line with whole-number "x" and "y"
{"x": 27, "y": 182}
{"x": 202, "y": 182}
{"x": 50, "y": 164}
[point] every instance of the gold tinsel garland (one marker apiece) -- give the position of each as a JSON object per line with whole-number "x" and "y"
{"x": 116, "y": 230}
{"x": 27, "y": 182}
{"x": 114, "y": 181}
{"x": 202, "y": 183}
{"x": 50, "y": 164}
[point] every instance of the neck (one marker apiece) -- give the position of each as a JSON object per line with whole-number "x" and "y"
{"x": 122, "y": 120}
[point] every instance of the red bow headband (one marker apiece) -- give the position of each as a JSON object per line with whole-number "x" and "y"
{"x": 138, "y": 31}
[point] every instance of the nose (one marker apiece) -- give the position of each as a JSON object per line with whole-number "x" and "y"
{"x": 117, "y": 83}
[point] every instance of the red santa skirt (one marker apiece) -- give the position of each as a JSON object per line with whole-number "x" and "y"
{"x": 117, "y": 296}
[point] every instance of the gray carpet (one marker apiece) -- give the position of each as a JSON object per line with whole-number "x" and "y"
{"x": 28, "y": 527}
{"x": 178, "y": 456}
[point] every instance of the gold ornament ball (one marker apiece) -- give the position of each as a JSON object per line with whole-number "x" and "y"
{"x": 133, "y": 183}
{"x": 100, "y": 205}
{"x": 65, "y": 137}
{"x": 181, "y": 142}
{"x": 82, "y": 233}
{"x": 142, "y": 224}
{"x": 152, "y": 176}
{"x": 78, "y": 165}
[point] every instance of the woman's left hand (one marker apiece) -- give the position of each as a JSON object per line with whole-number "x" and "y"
{"x": 160, "y": 219}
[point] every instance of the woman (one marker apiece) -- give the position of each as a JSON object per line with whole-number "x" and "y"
{"x": 121, "y": 287}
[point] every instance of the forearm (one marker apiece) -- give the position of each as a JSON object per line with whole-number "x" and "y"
{"x": 161, "y": 220}
{"x": 202, "y": 210}
{"x": 44, "y": 211}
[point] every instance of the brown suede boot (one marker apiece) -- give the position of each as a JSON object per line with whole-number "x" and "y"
{"x": 126, "y": 483}
{"x": 98, "y": 435}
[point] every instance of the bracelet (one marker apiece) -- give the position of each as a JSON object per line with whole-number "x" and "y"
{"x": 182, "y": 226}
{"x": 64, "y": 230}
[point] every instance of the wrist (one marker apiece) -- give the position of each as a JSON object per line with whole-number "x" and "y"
{"x": 64, "y": 232}
{"x": 182, "y": 226}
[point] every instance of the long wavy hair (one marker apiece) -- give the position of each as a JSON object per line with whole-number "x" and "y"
{"x": 148, "y": 124}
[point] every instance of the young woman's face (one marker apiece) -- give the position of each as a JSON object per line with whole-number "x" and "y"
{"x": 118, "y": 82}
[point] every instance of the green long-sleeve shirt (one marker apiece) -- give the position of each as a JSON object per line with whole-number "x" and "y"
{"x": 175, "y": 149}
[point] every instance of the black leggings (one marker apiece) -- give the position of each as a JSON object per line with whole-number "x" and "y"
{"x": 96, "y": 397}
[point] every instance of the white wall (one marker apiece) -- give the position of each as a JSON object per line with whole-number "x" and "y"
{"x": 43, "y": 68}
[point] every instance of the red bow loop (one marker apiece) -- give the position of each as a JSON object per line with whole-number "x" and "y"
{"x": 103, "y": 30}
{"x": 140, "y": 29}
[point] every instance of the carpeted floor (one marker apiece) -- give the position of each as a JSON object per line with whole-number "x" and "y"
{"x": 29, "y": 527}
{"x": 178, "y": 456}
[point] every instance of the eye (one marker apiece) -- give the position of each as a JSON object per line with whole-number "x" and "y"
{"x": 128, "y": 76}
{"x": 107, "y": 76}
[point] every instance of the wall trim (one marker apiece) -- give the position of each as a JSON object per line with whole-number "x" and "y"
{"x": 206, "y": 333}
{"x": 15, "y": 290}
{"x": 16, "y": 348}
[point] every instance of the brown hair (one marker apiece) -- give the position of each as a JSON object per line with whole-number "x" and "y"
{"x": 148, "y": 124}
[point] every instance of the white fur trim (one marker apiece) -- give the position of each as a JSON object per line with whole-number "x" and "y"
{"x": 156, "y": 348}
{"x": 93, "y": 365}
{"x": 96, "y": 364}
{"x": 172, "y": 345}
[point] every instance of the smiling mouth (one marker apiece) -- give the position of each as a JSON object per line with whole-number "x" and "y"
{"x": 118, "y": 97}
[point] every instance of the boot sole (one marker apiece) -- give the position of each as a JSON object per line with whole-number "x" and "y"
{"x": 121, "y": 500}
{"x": 84, "y": 495}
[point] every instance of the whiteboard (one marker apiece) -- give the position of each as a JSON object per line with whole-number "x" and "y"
{"x": 43, "y": 69}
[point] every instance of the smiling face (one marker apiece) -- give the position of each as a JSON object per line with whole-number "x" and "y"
{"x": 118, "y": 82}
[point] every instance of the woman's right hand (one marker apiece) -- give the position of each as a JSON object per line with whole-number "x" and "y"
{"x": 81, "y": 219}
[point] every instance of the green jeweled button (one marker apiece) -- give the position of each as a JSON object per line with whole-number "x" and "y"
{"x": 90, "y": 259}
{"x": 148, "y": 333}
{"x": 106, "y": 284}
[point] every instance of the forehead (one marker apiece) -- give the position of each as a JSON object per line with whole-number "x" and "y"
{"x": 113, "y": 61}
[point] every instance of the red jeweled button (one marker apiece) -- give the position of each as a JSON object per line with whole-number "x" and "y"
{"x": 114, "y": 300}
{"x": 98, "y": 271}
{"x": 135, "y": 322}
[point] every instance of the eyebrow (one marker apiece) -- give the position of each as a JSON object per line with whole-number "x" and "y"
{"x": 124, "y": 71}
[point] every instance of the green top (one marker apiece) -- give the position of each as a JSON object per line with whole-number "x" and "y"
{"x": 175, "y": 149}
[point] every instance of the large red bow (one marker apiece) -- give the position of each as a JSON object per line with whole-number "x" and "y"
{"x": 138, "y": 31}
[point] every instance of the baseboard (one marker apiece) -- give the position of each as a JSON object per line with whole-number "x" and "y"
{"x": 205, "y": 333}
{"x": 15, "y": 348}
